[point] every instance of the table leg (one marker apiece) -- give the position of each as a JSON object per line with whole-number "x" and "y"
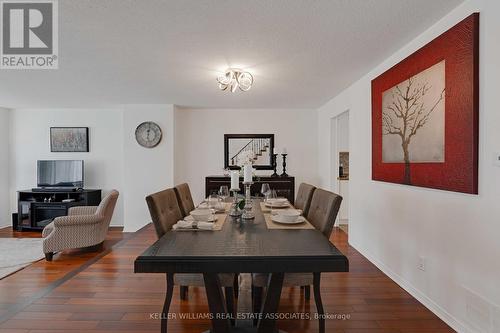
{"x": 319, "y": 303}
{"x": 271, "y": 303}
{"x": 168, "y": 299}
{"x": 216, "y": 303}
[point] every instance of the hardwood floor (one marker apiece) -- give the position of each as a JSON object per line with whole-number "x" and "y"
{"x": 97, "y": 293}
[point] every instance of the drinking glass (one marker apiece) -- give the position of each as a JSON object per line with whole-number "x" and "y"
{"x": 213, "y": 201}
{"x": 224, "y": 193}
{"x": 265, "y": 190}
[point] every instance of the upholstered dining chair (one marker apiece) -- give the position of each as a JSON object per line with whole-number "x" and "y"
{"x": 304, "y": 197}
{"x": 184, "y": 198}
{"x": 322, "y": 214}
{"x": 85, "y": 226}
{"x": 165, "y": 212}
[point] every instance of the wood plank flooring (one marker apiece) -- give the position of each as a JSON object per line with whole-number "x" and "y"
{"x": 97, "y": 293}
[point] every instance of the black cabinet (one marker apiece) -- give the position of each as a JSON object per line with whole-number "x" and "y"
{"x": 284, "y": 186}
{"x": 38, "y": 208}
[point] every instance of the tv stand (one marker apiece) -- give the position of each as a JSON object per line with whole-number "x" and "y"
{"x": 55, "y": 189}
{"x": 38, "y": 207}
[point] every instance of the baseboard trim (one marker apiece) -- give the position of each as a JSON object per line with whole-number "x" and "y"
{"x": 445, "y": 316}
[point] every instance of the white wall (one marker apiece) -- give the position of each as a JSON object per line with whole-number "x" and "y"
{"x": 146, "y": 171}
{"x": 115, "y": 160}
{"x": 30, "y": 134}
{"x": 5, "y": 213}
{"x": 199, "y": 137}
{"x": 393, "y": 225}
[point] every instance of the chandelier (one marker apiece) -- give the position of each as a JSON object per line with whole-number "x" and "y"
{"x": 235, "y": 78}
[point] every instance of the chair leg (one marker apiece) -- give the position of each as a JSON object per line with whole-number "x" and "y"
{"x": 229, "y": 293}
{"x": 168, "y": 300}
{"x": 257, "y": 293}
{"x": 49, "y": 256}
{"x": 319, "y": 303}
{"x": 236, "y": 286}
{"x": 184, "y": 292}
{"x": 307, "y": 292}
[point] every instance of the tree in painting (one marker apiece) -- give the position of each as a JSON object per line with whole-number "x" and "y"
{"x": 408, "y": 110}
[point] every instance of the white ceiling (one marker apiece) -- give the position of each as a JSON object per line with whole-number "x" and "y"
{"x": 301, "y": 52}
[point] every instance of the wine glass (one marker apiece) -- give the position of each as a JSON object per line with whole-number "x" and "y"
{"x": 265, "y": 191}
{"x": 272, "y": 197}
{"x": 224, "y": 193}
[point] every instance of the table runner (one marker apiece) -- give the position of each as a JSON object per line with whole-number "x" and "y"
{"x": 273, "y": 225}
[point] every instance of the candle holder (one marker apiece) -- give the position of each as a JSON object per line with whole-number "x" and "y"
{"x": 275, "y": 165}
{"x": 247, "y": 213}
{"x": 235, "y": 211}
{"x": 284, "y": 174}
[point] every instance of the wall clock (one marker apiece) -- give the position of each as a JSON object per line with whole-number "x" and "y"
{"x": 148, "y": 134}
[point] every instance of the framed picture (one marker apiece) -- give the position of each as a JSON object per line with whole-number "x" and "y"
{"x": 425, "y": 113}
{"x": 69, "y": 139}
{"x": 259, "y": 147}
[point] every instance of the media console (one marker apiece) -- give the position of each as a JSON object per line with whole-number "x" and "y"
{"x": 37, "y": 208}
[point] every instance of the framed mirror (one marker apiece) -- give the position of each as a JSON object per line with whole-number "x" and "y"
{"x": 240, "y": 147}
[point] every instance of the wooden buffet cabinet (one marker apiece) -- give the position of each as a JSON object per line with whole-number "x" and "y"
{"x": 284, "y": 186}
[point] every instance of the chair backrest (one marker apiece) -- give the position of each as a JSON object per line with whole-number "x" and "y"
{"x": 184, "y": 198}
{"x": 304, "y": 197}
{"x": 107, "y": 207}
{"x": 323, "y": 211}
{"x": 164, "y": 210}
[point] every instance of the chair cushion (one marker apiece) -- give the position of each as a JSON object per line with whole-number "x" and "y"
{"x": 304, "y": 196}
{"x": 323, "y": 211}
{"x": 184, "y": 198}
{"x": 164, "y": 210}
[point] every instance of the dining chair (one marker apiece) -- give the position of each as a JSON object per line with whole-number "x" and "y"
{"x": 304, "y": 197}
{"x": 322, "y": 214}
{"x": 165, "y": 212}
{"x": 184, "y": 198}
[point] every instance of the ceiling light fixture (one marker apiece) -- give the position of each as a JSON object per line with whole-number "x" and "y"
{"x": 235, "y": 78}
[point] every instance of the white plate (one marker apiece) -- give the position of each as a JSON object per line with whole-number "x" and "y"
{"x": 278, "y": 219}
{"x": 277, "y": 204}
{"x": 221, "y": 207}
{"x": 189, "y": 218}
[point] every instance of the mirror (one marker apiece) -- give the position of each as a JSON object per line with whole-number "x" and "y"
{"x": 241, "y": 147}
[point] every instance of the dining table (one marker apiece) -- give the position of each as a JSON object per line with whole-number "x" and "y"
{"x": 243, "y": 246}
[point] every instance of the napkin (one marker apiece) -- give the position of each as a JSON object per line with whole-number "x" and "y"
{"x": 193, "y": 225}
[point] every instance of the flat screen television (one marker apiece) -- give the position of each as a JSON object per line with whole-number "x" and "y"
{"x": 60, "y": 173}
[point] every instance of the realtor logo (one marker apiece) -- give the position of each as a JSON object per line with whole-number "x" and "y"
{"x": 29, "y": 34}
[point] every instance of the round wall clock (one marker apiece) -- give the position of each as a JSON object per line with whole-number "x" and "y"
{"x": 148, "y": 134}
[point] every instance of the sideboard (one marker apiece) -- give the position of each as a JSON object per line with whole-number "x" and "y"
{"x": 284, "y": 186}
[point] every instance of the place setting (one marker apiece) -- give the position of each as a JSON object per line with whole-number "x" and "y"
{"x": 201, "y": 219}
{"x": 217, "y": 201}
{"x": 271, "y": 200}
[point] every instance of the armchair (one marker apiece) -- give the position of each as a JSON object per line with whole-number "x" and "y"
{"x": 83, "y": 227}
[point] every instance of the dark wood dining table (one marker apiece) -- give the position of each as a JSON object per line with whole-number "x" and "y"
{"x": 243, "y": 246}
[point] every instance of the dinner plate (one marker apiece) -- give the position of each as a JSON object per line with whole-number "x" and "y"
{"x": 279, "y": 219}
{"x": 189, "y": 218}
{"x": 277, "y": 204}
{"x": 219, "y": 208}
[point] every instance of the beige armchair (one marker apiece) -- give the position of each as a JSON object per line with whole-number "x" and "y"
{"x": 83, "y": 227}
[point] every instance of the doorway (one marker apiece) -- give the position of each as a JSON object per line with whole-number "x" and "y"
{"x": 339, "y": 136}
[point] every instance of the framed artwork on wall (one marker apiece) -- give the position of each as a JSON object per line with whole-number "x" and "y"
{"x": 69, "y": 139}
{"x": 425, "y": 113}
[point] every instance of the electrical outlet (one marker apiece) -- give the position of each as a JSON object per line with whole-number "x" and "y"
{"x": 496, "y": 159}
{"x": 421, "y": 263}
